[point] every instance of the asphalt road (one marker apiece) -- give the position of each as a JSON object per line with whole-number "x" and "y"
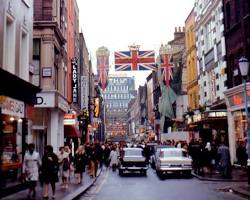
{"x": 110, "y": 186}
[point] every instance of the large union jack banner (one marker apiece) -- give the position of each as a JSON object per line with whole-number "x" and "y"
{"x": 134, "y": 60}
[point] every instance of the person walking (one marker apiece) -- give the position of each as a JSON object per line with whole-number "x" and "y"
{"x": 31, "y": 165}
{"x": 80, "y": 163}
{"x": 64, "y": 166}
{"x": 113, "y": 158}
{"x": 224, "y": 161}
{"x": 50, "y": 168}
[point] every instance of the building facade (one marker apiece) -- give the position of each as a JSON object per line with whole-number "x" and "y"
{"x": 237, "y": 36}
{"x": 17, "y": 89}
{"x": 211, "y": 51}
{"x": 50, "y": 58}
{"x": 191, "y": 62}
{"x": 119, "y": 92}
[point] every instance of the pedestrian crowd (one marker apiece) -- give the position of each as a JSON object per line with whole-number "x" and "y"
{"x": 69, "y": 166}
{"x": 66, "y": 165}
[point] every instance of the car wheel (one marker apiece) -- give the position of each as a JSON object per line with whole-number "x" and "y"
{"x": 120, "y": 172}
{"x": 144, "y": 173}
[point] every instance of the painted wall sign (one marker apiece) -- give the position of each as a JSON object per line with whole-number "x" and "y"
{"x": 12, "y": 107}
{"x": 74, "y": 81}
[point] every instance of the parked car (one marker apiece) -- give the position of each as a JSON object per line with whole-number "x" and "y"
{"x": 132, "y": 160}
{"x": 155, "y": 153}
{"x": 173, "y": 160}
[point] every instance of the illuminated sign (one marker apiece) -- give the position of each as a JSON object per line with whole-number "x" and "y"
{"x": 217, "y": 114}
{"x": 97, "y": 107}
{"x": 69, "y": 119}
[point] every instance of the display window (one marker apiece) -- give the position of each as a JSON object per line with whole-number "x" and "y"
{"x": 11, "y": 146}
{"x": 240, "y": 126}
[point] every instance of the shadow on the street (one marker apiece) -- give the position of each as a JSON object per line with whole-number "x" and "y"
{"x": 174, "y": 176}
{"x": 132, "y": 174}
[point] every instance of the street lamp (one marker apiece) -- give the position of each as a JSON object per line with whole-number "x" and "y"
{"x": 244, "y": 67}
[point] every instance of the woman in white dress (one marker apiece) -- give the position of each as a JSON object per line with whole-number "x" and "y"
{"x": 31, "y": 164}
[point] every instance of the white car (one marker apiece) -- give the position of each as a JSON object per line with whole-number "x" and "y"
{"x": 173, "y": 160}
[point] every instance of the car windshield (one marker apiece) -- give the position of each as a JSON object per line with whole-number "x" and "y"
{"x": 133, "y": 152}
{"x": 173, "y": 153}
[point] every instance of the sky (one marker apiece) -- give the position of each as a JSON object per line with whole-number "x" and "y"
{"x": 116, "y": 24}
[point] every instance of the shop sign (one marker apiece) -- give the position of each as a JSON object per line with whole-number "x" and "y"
{"x": 84, "y": 92}
{"x": 12, "y": 107}
{"x": 74, "y": 82}
{"x": 63, "y": 104}
{"x": 197, "y": 118}
{"x": 45, "y": 100}
{"x": 238, "y": 99}
{"x": 217, "y": 114}
{"x": 69, "y": 119}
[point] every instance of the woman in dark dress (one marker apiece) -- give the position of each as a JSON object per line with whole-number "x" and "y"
{"x": 50, "y": 169}
{"x": 80, "y": 162}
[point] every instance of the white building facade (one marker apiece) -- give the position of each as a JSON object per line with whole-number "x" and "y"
{"x": 211, "y": 52}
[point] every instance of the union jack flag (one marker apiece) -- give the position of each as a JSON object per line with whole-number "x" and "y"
{"x": 102, "y": 70}
{"x": 166, "y": 65}
{"x": 134, "y": 60}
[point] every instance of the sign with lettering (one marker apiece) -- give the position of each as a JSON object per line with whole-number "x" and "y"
{"x": 238, "y": 99}
{"x": 47, "y": 71}
{"x": 74, "y": 81}
{"x": 12, "y": 107}
{"x": 84, "y": 92}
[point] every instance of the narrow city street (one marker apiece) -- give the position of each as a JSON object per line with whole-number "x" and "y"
{"x": 110, "y": 186}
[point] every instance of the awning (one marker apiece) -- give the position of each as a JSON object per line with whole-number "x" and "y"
{"x": 17, "y": 88}
{"x": 71, "y": 131}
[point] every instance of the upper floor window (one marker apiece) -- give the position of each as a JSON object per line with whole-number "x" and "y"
{"x": 24, "y": 56}
{"x": 9, "y": 45}
{"x": 228, "y": 15}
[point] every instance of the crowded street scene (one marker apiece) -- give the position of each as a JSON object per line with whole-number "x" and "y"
{"x": 147, "y": 104}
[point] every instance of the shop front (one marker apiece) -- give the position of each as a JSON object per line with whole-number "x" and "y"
{"x": 236, "y": 117}
{"x": 12, "y": 119}
{"x": 210, "y": 125}
{"x": 16, "y": 107}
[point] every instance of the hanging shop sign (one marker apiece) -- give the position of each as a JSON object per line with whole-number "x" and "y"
{"x": 84, "y": 92}
{"x": 12, "y": 107}
{"x": 74, "y": 81}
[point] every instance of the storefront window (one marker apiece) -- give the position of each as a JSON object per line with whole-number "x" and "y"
{"x": 11, "y": 144}
{"x": 240, "y": 125}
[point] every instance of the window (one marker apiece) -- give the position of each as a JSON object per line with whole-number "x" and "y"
{"x": 228, "y": 15}
{"x": 9, "y": 45}
{"x": 36, "y": 61}
{"x": 205, "y": 83}
{"x": 24, "y": 56}
{"x": 217, "y": 87}
{"x": 237, "y": 5}
{"x": 217, "y": 75}
{"x": 205, "y": 94}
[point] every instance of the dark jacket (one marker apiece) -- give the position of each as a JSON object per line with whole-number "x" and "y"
{"x": 50, "y": 168}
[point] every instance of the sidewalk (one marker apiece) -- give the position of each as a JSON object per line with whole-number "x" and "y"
{"x": 74, "y": 190}
{"x": 238, "y": 175}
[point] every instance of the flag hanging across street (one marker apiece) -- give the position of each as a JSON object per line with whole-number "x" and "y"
{"x": 167, "y": 65}
{"x": 134, "y": 60}
{"x": 102, "y": 66}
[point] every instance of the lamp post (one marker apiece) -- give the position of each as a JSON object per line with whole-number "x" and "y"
{"x": 244, "y": 67}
